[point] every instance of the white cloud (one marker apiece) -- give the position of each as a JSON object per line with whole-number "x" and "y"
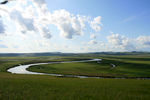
{"x": 34, "y": 16}
{"x": 91, "y": 42}
{"x": 117, "y": 39}
{"x": 2, "y": 27}
{"x": 27, "y": 20}
{"x": 92, "y": 36}
{"x": 144, "y": 40}
{"x": 95, "y": 24}
{"x": 46, "y": 33}
{"x": 120, "y": 42}
{"x": 68, "y": 24}
{"x": 26, "y": 24}
{"x": 28, "y": 16}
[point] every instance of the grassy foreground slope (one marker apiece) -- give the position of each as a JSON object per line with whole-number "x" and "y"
{"x": 42, "y": 87}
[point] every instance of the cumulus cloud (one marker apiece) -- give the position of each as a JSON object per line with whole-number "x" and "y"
{"x": 92, "y": 36}
{"x": 46, "y": 33}
{"x": 120, "y": 42}
{"x": 33, "y": 19}
{"x": 2, "y": 27}
{"x": 144, "y": 40}
{"x": 95, "y": 24}
{"x": 28, "y": 16}
{"x": 92, "y": 42}
{"x": 117, "y": 39}
{"x": 26, "y": 24}
{"x": 34, "y": 16}
{"x": 68, "y": 24}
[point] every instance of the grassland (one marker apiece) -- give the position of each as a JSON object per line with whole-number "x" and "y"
{"x": 39, "y": 87}
{"x": 125, "y": 67}
{"x": 44, "y": 87}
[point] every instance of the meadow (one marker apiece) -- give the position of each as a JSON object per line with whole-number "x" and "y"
{"x": 128, "y": 67}
{"x": 45, "y": 87}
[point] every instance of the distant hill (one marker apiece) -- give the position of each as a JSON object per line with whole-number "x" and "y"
{"x": 70, "y": 54}
{"x": 121, "y": 53}
{"x": 29, "y": 54}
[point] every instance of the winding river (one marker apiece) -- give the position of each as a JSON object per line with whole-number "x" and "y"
{"x": 22, "y": 69}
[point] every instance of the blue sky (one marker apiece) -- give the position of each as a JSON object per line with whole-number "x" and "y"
{"x": 131, "y": 16}
{"x": 75, "y": 26}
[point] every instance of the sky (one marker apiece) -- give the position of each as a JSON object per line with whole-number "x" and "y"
{"x": 75, "y": 26}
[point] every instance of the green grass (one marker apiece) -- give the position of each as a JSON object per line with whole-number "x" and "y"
{"x": 41, "y": 87}
{"x": 44, "y": 87}
{"x": 8, "y": 62}
{"x": 124, "y": 68}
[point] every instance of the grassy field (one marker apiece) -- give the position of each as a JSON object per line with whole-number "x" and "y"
{"x": 125, "y": 67}
{"x": 8, "y": 62}
{"x": 39, "y": 87}
{"x": 44, "y": 87}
